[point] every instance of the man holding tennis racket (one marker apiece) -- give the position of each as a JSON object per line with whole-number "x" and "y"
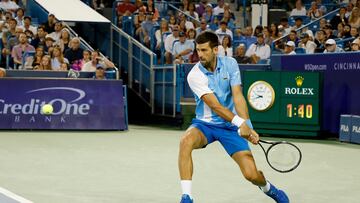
{"x": 220, "y": 112}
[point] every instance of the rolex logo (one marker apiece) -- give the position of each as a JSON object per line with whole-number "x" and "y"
{"x": 299, "y": 81}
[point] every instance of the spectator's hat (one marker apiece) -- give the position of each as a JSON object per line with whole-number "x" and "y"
{"x": 356, "y": 41}
{"x": 181, "y": 34}
{"x": 304, "y": 35}
{"x": 209, "y": 5}
{"x": 49, "y": 37}
{"x": 330, "y": 42}
{"x": 50, "y": 14}
{"x": 290, "y": 44}
{"x": 100, "y": 66}
{"x": 327, "y": 26}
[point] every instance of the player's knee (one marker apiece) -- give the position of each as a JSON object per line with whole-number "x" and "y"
{"x": 187, "y": 141}
{"x": 251, "y": 176}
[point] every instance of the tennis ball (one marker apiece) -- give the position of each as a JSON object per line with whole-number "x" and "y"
{"x": 47, "y": 109}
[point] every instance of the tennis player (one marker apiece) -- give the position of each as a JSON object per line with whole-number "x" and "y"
{"x": 220, "y": 111}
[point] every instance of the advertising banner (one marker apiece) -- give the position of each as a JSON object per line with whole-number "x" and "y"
{"x": 78, "y": 104}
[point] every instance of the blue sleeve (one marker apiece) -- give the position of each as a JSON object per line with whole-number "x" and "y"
{"x": 234, "y": 72}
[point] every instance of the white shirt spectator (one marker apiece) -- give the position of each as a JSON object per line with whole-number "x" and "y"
{"x": 292, "y": 53}
{"x": 221, "y": 33}
{"x": 180, "y": 47}
{"x": 296, "y": 12}
{"x": 8, "y": 5}
{"x": 90, "y": 67}
{"x": 169, "y": 41}
{"x": 262, "y": 51}
{"x": 228, "y": 50}
{"x": 31, "y": 28}
{"x": 309, "y": 47}
{"x": 217, "y": 10}
{"x": 196, "y": 15}
{"x": 56, "y": 36}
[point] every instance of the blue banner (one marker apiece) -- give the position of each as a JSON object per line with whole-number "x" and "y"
{"x": 78, "y": 104}
{"x": 341, "y": 94}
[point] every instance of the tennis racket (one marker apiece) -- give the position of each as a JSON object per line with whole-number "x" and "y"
{"x": 281, "y": 156}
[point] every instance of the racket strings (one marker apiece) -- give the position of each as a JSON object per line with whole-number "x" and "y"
{"x": 283, "y": 156}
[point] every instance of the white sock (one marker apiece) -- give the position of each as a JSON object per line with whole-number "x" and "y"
{"x": 186, "y": 187}
{"x": 266, "y": 188}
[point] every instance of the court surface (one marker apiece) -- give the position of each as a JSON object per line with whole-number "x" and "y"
{"x": 140, "y": 166}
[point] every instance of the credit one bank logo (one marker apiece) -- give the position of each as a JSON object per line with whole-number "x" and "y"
{"x": 61, "y": 105}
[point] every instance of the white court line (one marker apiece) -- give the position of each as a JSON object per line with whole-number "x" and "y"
{"x": 14, "y": 196}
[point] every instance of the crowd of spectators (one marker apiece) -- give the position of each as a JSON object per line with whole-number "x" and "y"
{"x": 43, "y": 45}
{"x": 172, "y": 35}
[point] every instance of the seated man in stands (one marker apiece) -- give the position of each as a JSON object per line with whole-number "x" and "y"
{"x": 306, "y": 43}
{"x": 259, "y": 50}
{"x": 57, "y": 32}
{"x": 100, "y": 72}
{"x": 299, "y": 9}
{"x": 19, "y": 49}
{"x": 290, "y": 48}
{"x": 203, "y": 26}
{"x": 355, "y": 45}
{"x": 27, "y": 25}
{"x": 249, "y": 38}
{"x": 74, "y": 52}
{"x": 320, "y": 40}
{"x": 9, "y": 5}
{"x": 182, "y": 49}
{"x": 39, "y": 39}
{"x": 223, "y": 30}
{"x": 331, "y": 47}
{"x": 97, "y": 60}
{"x": 169, "y": 43}
{"x": 145, "y": 30}
{"x": 240, "y": 55}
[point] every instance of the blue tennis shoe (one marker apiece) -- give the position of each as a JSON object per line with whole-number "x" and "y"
{"x": 186, "y": 199}
{"x": 278, "y": 195}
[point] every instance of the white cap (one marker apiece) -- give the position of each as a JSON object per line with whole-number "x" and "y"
{"x": 330, "y": 41}
{"x": 209, "y": 4}
{"x": 356, "y": 41}
{"x": 290, "y": 44}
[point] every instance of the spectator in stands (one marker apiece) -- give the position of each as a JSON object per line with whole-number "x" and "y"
{"x": 240, "y": 56}
{"x": 146, "y": 28}
{"x": 339, "y": 18}
{"x": 11, "y": 31}
{"x": 50, "y": 23}
{"x": 219, "y": 9}
{"x": 200, "y": 9}
{"x": 49, "y": 42}
{"x": 355, "y": 46}
{"x": 321, "y": 7}
{"x": 331, "y": 47}
{"x": 74, "y": 52}
{"x": 2, "y": 73}
{"x": 208, "y": 15}
{"x": 267, "y": 35}
{"x": 188, "y": 24}
{"x": 191, "y": 11}
{"x": 339, "y": 32}
{"x": 58, "y": 60}
{"x": 184, "y": 5}
{"x": 96, "y": 60}
{"x": 13, "y": 40}
{"x": 298, "y": 24}
{"x": 172, "y": 22}
{"x": 258, "y": 30}
{"x": 290, "y": 48}
{"x": 138, "y": 19}
{"x": 347, "y": 29}
{"x": 45, "y": 63}
{"x": 191, "y": 35}
{"x": 225, "y": 49}
{"x": 223, "y": 30}
{"x": 100, "y": 72}
{"x": 354, "y": 19}
{"x": 86, "y": 58}
{"x": 274, "y": 30}
{"x": 314, "y": 12}
{"x": 19, "y": 49}
{"x": 169, "y": 43}
{"x": 320, "y": 39}
{"x": 203, "y": 27}
{"x": 182, "y": 49}
{"x": 125, "y": 6}
{"x": 8, "y": 5}
{"x": 27, "y": 25}
{"x": 20, "y": 16}
{"x": 354, "y": 32}
{"x": 64, "y": 39}
{"x": 293, "y": 37}
{"x": 39, "y": 53}
{"x": 307, "y": 44}
{"x": 228, "y": 9}
{"x": 248, "y": 35}
{"x": 259, "y": 50}
{"x": 284, "y": 27}
{"x": 227, "y": 18}
{"x": 150, "y": 8}
{"x": 329, "y": 32}
{"x": 39, "y": 39}
{"x": 57, "y": 32}
{"x": 349, "y": 9}
{"x": 160, "y": 35}
{"x": 29, "y": 35}
{"x": 299, "y": 9}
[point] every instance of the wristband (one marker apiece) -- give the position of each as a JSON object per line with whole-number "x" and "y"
{"x": 237, "y": 121}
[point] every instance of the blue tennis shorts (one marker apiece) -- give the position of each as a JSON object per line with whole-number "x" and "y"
{"x": 225, "y": 134}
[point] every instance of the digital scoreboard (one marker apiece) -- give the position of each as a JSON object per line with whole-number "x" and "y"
{"x": 284, "y": 102}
